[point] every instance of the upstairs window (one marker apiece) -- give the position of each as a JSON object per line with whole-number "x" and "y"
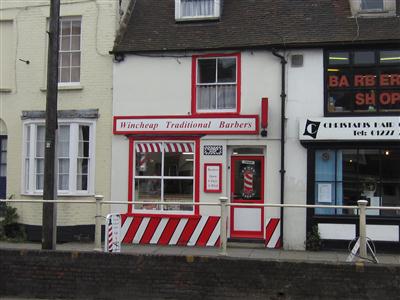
{"x": 196, "y": 9}
{"x": 362, "y": 81}
{"x": 376, "y": 5}
{"x": 216, "y": 86}
{"x": 373, "y": 8}
{"x": 69, "y": 64}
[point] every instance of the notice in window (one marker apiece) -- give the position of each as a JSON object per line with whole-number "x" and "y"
{"x": 212, "y": 178}
{"x": 324, "y": 193}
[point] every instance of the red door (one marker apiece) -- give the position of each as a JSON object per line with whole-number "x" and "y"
{"x": 247, "y": 186}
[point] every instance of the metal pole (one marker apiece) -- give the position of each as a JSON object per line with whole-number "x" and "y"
{"x": 97, "y": 230}
{"x": 223, "y": 224}
{"x": 49, "y": 218}
{"x": 362, "y": 204}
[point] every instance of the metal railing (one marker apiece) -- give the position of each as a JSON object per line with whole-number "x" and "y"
{"x": 224, "y": 205}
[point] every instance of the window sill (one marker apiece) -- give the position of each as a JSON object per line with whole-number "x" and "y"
{"x": 77, "y": 87}
{"x": 5, "y": 90}
{"x": 59, "y": 195}
{"x": 194, "y": 19}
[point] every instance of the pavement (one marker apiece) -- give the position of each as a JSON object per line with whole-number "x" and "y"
{"x": 247, "y": 251}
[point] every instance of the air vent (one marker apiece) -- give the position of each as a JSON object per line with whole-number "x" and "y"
{"x": 297, "y": 60}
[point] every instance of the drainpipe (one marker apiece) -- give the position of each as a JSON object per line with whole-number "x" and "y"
{"x": 283, "y": 117}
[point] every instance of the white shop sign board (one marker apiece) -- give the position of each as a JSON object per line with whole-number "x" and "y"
{"x": 246, "y": 124}
{"x": 354, "y": 128}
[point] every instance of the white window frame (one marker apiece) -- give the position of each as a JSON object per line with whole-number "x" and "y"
{"x": 372, "y": 9}
{"x": 162, "y": 177}
{"x": 70, "y": 83}
{"x": 30, "y": 188}
{"x": 179, "y": 17}
{"x": 389, "y": 9}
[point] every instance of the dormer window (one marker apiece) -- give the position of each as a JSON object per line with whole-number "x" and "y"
{"x": 372, "y": 5}
{"x": 373, "y": 8}
{"x": 187, "y": 10}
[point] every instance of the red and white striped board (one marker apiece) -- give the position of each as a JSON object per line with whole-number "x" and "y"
{"x": 273, "y": 234}
{"x": 183, "y": 231}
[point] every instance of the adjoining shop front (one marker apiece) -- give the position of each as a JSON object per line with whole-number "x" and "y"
{"x": 351, "y": 159}
{"x": 197, "y": 159}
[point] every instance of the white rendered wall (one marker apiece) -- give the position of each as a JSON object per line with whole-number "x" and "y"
{"x": 305, "y": 94}
{"x": 145, "y": 86}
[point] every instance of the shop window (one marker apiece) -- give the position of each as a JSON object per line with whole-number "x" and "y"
{"x": 164, "y": 172}
{"x": 75, "y": 152}
{"x": 196, "y": 9}
{"x": 362, "y": 82}
{"x": 216, "y": 87}
{"x": 344, "y": 176}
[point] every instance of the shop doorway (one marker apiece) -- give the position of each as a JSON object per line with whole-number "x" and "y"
{"x": 247, "y": 186}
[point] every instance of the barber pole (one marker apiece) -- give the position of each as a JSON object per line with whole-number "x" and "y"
{"x": 248, "y": 182}
{"x": 113, "y": 229}
{"x": 110, "y": 236}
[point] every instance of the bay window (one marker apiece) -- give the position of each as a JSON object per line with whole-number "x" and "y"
{"x": 75, "y": 157}
{"x": 216, "y": 85}
{"x": 164, "y": 172}
{"x": 343, "y": 176}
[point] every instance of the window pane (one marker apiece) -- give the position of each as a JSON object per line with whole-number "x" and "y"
{"x": 206, "y": 71}
{"x": 390, "y": 197}
{"x": 206, "y": 97}
{"x": 226, "y": 70}
{"x": 192, "y": 8}
{"x": 82, "y": 182}
{"x": 83, "y": 166}
{"x": 148, "y": 164}
{"x": 3, "y": 170}
{"x": 3, "y": 157}
{"x": 65, "y": 75}
{"x": 178, "y": 190}
{"x": 226, "y": 96}
{"x": 40, "y": 136}
{"x": 178, "y": 163}
{"x": 39, "y": 182}
{"x": 63, "y": 182}
{"x": 63, "y": 166}
{"x": 324, "y": 165}
{"x": 65, "y": 43}
{"x": 75, "y": 74}
{"x": 389, "y": 100}
{"x": 76, "y": 27}
{"x": 339, "y": 58}
{"x": 27, "y": 141}
{"x": 63, "y": 141}
{"x": 351, "y": 194}
{"x": 76, "y": 59}
{"x": 390, "y": 57}
{"x": 76, "y": 42}
{"x": 368, "y": 165}
{"x": 349, "y": 164}
{"x": 372, "y": 4}
{"x": 39, "y": 173}
{"x": 65, "y": 28}
{"x": 391, "y": 165}
{"x": 83, "y": 147}
{"x": 147, "y": 190}
{"x": 65, "y": 59}
{"x": 364, "y": 57}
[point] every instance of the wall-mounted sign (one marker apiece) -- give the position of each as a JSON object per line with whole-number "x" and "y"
{"x": 377, "y": 128}
{"x": 212, "y": 178}
{"x": 247, "y": 124}
{"x": 212, "y": 150}
{"x": 112, "y": 241}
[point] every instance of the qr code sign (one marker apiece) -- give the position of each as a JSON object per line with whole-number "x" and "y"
{"x": 212, "y": 150}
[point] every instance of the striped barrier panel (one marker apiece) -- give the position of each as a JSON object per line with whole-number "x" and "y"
{"x": 164, "y": 230}
{"x": 273, "y": 234}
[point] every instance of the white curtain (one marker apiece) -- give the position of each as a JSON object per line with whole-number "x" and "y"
{"x": 192, "y": 8}
{"x": 206, "y": 95}
{"x": 227, "y": 96}
{"x": 216, "y": 97}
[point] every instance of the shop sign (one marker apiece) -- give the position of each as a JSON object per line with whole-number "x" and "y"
{"x": 377, "y": 128}
{"x": 212, "y": 178}
{"x": 247, "y": 124}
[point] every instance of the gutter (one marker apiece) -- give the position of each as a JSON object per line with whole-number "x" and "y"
{"x": 282, "y": 171}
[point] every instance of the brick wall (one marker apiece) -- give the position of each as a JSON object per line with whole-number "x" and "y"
{"x": 74, "y": 275}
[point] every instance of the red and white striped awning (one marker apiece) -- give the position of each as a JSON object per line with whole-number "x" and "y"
{"x": 148, "y": 147}
{"x": 179, "y": 147}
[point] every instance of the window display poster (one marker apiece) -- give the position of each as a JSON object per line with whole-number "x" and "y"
{"x": 324, "y": 193}
{"x": 212, "y": 178}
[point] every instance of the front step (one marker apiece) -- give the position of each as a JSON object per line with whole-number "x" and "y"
{"x": 246, "y": 243}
